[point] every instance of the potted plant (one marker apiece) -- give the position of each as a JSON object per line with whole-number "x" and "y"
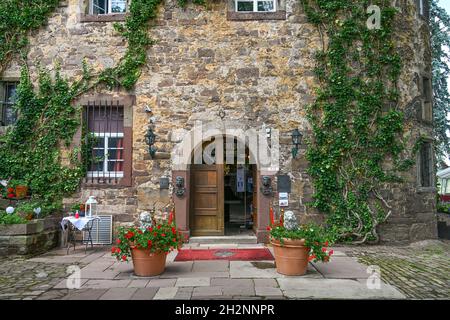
{"x": 294, "y": 246}
{"x": 20, "y": 187}
{"x": 147, "y": 246}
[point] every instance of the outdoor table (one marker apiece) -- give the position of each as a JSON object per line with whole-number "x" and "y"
{"x": 83, "y": 224}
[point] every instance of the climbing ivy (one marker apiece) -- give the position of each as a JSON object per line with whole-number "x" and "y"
{"x": 355, "y": 119}
{"x": 32, "y": 150}
{"x": 18, "y": 19}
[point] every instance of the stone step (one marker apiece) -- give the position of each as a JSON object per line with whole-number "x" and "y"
{"x": 223, "y": 239}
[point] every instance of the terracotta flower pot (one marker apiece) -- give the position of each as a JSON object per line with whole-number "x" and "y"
{"x": 21, "y": 192}
{"x": 148, "y": 264}
{"x": 291, "y": 257}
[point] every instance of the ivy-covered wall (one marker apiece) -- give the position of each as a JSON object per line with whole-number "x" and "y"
{"x": 257, "y": 71}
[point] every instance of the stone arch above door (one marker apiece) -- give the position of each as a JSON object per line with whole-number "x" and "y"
{"x": 181, "y": 158}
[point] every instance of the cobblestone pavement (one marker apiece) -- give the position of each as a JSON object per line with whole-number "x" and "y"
{"x": 102, "y": 277}
{"x": 417, "y": 271}
{"x": 21, "y": 278}
{"x": 420, "y": 270}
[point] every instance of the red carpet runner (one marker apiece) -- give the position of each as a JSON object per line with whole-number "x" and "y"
{"x": 224, "y": 254}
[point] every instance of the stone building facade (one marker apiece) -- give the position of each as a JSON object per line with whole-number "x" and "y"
{"x": 248, "y": 70}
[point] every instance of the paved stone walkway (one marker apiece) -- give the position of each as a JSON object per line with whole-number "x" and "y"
{"x": 420, "y": 270}
{"x": 102, "y": 277}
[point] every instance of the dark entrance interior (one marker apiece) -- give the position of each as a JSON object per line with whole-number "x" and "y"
{"x": 238, "y": 197}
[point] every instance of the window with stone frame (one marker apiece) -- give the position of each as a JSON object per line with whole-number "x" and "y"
{"x": 107, "y": 6}
{"x": 255, "y": 6}
{"x": 108, "y": 134}
{"x": 426, "y": 165}
{"x": 242, "y": 10}
{"x": 8, "y": 113}
{"x": 427, "y": 99}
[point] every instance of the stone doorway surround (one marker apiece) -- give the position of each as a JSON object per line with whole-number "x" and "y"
{"x": 181, "y": 168}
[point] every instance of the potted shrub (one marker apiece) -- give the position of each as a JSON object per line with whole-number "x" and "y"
{"x": 294, "y": 245}
{"x": 20, "y": 187}
{"x": 147, "y": 246}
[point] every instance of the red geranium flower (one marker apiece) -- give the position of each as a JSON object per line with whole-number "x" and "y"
{"x": 311, "y": 257}
{"x": 331, "y": 252}
{"x": 324, "y": 249}
{"x": 113, "y": 249}
{"x": 155, "y": 234}
{"x": 268, "y": 228}
{"x": 118, "y": 241}
{"x": 149, "y": 243}
{"x": 10, "y": 196}
{"x": 150, "y": 229}
{"x": 163, "y": 234}
{"x": 10, "y": 190}
{"x": 129, "y": 235}
{"x": 326, "y": 243}
{"x": 174, "y": 231}
{"x": 159, "y": 227}
{"x": 124, "y": 258}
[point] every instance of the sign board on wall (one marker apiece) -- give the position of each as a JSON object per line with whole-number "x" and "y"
{"x": 283, "y": 199}
{"x": 284, "y": 183}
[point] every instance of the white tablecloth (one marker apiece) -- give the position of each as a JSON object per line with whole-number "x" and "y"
{"x": 79, "y": 223}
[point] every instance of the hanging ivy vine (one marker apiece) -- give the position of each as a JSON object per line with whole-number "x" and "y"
{"x": 31, "y": 151}
{"x": 356, "y": 123}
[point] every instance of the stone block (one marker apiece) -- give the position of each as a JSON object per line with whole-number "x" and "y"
{"x": 144, "y": 294}
{"x": 193, "y": 282}
{"x": 118, "y": 294}
{"x": 165, "y": 293}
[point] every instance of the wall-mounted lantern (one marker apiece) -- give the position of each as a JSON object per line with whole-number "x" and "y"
{"x": 296, "y": 141}
{"x": 179, "y": 186}
{"x": 150, "y": 138}
{"x": 266, "y": 187}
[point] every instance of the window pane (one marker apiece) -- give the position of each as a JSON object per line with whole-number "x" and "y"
{"x": 99, "y": 6}
{"x": 265, "y": 6}
{"x": 115, "y": 166}
{"x": 244, "y": 6}
{"x": 118, "y": 6}
{"x": 115, "y": 143}
{"x": 98, "y": 154}
{"x": 11, "y": 92}
{"x": 97, "y": 166}
{"x": 115, "y": 154}
{"x": 425, "y": 165}
{"x": 100, "y": 142}
{"x": 10, "y": 115}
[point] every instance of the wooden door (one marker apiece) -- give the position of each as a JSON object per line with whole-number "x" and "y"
{"x": 207, "y": 200}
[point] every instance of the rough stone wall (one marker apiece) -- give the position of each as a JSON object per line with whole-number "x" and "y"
{"x": 413, "y": 207}
{"x": 258, "y": 72}
{"x": 202, "y": 63}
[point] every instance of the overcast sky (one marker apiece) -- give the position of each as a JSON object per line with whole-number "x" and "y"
{"x": 445, "y": 4}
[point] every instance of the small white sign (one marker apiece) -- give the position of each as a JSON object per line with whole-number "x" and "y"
{"x": 283, "y": 199}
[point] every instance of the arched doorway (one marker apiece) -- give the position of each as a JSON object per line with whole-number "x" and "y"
{"x": 200, "y": 208}
{"x": 223, "y": 199}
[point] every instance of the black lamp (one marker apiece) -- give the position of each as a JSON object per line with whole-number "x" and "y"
{"x": 296, "y": 141}
{"x": 150, "y": 138}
